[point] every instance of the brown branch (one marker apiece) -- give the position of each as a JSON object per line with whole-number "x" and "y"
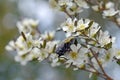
{"x": 67, "y": 13}
{"x": 107, "y": 77}
{"x": 87, "y": 70}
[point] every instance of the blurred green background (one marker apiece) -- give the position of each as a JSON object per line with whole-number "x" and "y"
{"x": 13, "y": 10}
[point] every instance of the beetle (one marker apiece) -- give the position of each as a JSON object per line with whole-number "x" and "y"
{"x": 65, "y": 46}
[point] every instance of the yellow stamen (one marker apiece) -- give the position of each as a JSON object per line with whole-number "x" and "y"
{"x": 74, "y": 55}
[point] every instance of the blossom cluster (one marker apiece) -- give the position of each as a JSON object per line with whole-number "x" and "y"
{"x": 71, "y": 7}
{"x": 91, "y": 43}
{"x": 91, "y": 38}
{"x": 108, "y": 9}
{"x": 31, "y": 44}
{"x": 86, "y": 46}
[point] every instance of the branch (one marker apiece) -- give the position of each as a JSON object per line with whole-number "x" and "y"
{"x": 107, "y": 77}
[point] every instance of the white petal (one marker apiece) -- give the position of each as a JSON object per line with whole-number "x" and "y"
{"x": 65, "y": 28}
{"x": 78, "y": 46}
{"x": 74, "y": 48}
{"x": 68, "y": 34}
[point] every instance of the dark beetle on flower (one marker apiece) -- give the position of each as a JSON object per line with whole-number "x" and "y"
{"x": 65, "y": 46}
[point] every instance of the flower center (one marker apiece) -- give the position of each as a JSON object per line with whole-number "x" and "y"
{"x": 70, "y": 27}
{"x": 73, "y": 55}
{"x": 81, "y": 27}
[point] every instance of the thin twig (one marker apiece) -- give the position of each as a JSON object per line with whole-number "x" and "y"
{"x": 67, "y": 13}
{"x": 107, "y": 77}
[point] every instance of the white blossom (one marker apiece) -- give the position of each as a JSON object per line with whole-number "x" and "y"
{"x": 104, "y": 38}
{"x": 54, "y": 60}
{"x": 109, "y": 5}
{"x": 43, "y": 55}
{"x": 110, "y": 12}
{"x": 93, "y": 29}
{"x": 24, "y": 46}
{"x": 98, "y": 7}
{"x": 47, "y": 50}
{"x": 73, "y": 9}
{"x": 50, "y": 48}
{"x": 27, "y": 25}
{"x": 82, "y": 3}
{"x": 117, "y": 53}
{"x": 65, "y": 2}
{"x": 21, "y": 60}
{"x": 10, "y": 46}
{"x": 77, "y": 56}
{"x": 95, "y": 8}
{"x": 33, "y": 54}
{"x": 48, "y": 35}
{"x": 82, "y": 24}
{"x": 106, "y": 57}
{"x": 69, "y": 26}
